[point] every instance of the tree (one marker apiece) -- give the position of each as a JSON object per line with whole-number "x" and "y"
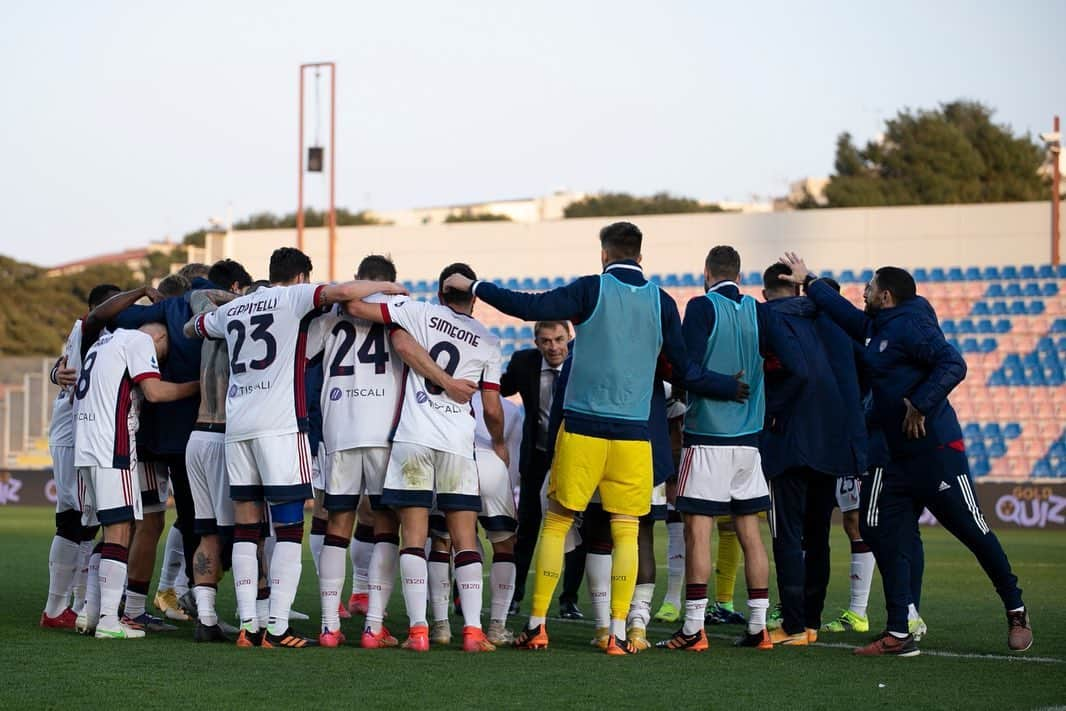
{"x": 312, "y": 218}
{"x": 468, "y": 216}
{"x": 616, "y": 204}
{"x": 954, "y": 154}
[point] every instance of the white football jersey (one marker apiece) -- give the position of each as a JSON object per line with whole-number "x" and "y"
{"x": 513, "y": 417}
{"x": 363, "y": 377}
{"x": 462, "y": 347}
{"x": 61, "y": 429}
{"x": 266, "y": 333}
{"x": 108, "y": 401}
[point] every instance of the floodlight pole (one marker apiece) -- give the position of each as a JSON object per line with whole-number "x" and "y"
{"x": 332, "y": 164}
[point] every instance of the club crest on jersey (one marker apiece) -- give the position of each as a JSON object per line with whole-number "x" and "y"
{"x": 232, "y": 390}
{"x": 335, "y": 394}
{"x": 884, "y": 344}
{"x": 421, "y": 397}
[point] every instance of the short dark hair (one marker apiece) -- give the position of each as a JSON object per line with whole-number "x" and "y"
{"x": 897, "y": 282}
{"x": 833, "y": 283}
{"x": 287, "y": 263}
{"x": 376, "y": 267}
{"x": 622, "y": 240}
{"x": 723, "y": 261}
{"x": 101, "y": 293}
{"x": 256, "y": 286}
{"x": 771, "y": 278}
{"x": 451, "y": 296}
{"x": 550, "y": 324}
{"x": 173, "y": 285}
{"x": 226, "y": 271}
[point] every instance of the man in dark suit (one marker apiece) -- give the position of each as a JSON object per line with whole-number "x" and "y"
{"x": 532, "y": 374}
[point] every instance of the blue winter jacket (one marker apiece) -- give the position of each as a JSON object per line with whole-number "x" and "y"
{"x": 819, "y": 424}
{"x": 906, "y": 356}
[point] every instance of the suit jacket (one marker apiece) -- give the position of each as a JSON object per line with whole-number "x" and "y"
{"x": 522, "y": 376}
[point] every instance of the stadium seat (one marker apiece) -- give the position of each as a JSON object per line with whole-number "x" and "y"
{"x": 1002, "y": 326}
{"x": 1049, "y": 288}
{"x": 1013, "y": 430}
{"x": 955, "y": 274}
{"x": 689, "y": 280}
{"x": 1060, "y": 273}
{"x": 973, "y": 274}
{"x": 671, "y": 280}
{"x": 528, "y": 284}
{"x": 543, "y": 284}
{"x": 866, "y": 276}
{"x": 1059, "y": 326}
{"x": 1042, "y": 469}
{"x": 937, "y": 274}
{"x": 990, "y": 273}
{"x": 513, "y": 284}
{"x": 847, "y": 277}
{"x": 1046, "y": 271}
{"x": 1036, "y": 307}
{"x": 920, "y": 274}
{"x": 995, "y": 291}
{"x": 981, "y": 308}
{"x": 948, "y": 327}
{"x": 1028, "y": 272}
{"x": 1009, "y": 272}
{"x": 966, "y": 326}
{"x": 979, "y": 466}
{"x": 987, "y": 345}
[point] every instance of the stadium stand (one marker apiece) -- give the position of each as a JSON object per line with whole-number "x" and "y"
{"x": 1008, "y": 322}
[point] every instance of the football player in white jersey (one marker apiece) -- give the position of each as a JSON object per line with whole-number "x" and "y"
{"x": 363, "y": 379}
{"x": 68, "y": 558}
{"x": 113, "y": 370}
{"x": 498, "y": 519}
{"x": 433, "y": 449}
{"x": 267, "y": 453}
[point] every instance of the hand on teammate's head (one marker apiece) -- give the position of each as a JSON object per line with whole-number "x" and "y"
{"x": 457, "y": 282}
{"x": 798, "y": 267}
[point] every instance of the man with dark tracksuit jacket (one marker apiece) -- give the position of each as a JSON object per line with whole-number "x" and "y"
{"x": 803, "y": 454}
{"x": 912, "y": 370}
{"x": 622, "y": 323}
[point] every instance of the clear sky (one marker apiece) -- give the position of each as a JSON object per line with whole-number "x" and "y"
{"x": 124, "y": 122}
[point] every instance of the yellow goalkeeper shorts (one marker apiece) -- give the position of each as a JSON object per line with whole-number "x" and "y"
{"x": 620, "y": 469}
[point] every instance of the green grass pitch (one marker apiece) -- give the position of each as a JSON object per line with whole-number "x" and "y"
{"x": 964, "y": 663}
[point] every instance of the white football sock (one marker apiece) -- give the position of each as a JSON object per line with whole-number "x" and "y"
{"x": 469, "y": 576}
{"x": 246, "y": 582}
{"x": 501, "y": 580}
{"x": 112, "y": 581}
{"x": 173, "y": 560}
{"x": 675, "y": 563}
{"x": 360, "y": 554}
{"x": 413, "y": 574}
{"x": 262, "y": 610}
{"x": 316, "y": 541}
{"x": 440, "y": 587}
{"x": 640, "y": 607}
{"x": 757, "y": 608}
{"x": 862, "y": 573}
{"x": 92, "y": 590}
{"x": 285, "y": 568}
{"x": 63, "y": 560}
{"x": 598, "y": 571}
{"x": 618, "y": 629}
{"x": 695, "y": 613}
{"x": 331, "y": 574}
{"x": 81, "y": 575}
{"x": 134, "y": 604}
{"x": 381, "y": 577}
{"x": 181, "y": 580}
{"x": 268, "y": 551}
{"x": 205, "y": 604}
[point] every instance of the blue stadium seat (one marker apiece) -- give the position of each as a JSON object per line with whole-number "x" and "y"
{"x": 1060, "y": 470}
{"x": 948, "y": 327}
{"x": 866, "y": 276}
{"x": 525, "y": 333}
{"x": 1013, "y": 430}
{"x": 1032, "y": 288}
{"x": 691, "y": 279}
{"x": 990, "y": 273}
{"x": 847, "y": 277}
{"x": 1049, "y": 288}
{"x": 966, "y": 326}
{"x": 1018, "y": 308}
{"x": 997, "y": 449}
{"x": 671, "y": 280}
{"x": 979, "y": 466}
{"x": 955, "y": 274}
{"x": 1060, "y": 345}
{"x": 1045, "y": 345}
{"x": 1003, "y": 325}
{"x": 977, "y": 449}
{"x": 973, "y": 274}
{"x": 999, "y": 308}
{"x": 991, "y": 430}
{"x": 1060, "y": 273}
{"x": 656, "y": 279}
{"x": 509, "y": 333}
{"x": 994, "y": 290}
{"x": 980, "y": 308}
{"x": 513, "y": 284}
{"x": 1028, "y": 272}
{"x": 1014, "y": 289}
{"x": 969, "y": 345}
{"x": 985, "y": 325}
{"x": 752, "y": 278}
{"x": 921, "y": 274}
{"x": 988, "y": 345}
{"x": 1059, "y": 326}
{"x": 1016, "y": 380}
{"x": 558, "y": 282}
{"x": 543, "y": 284}
{"x": 937, "y": 274}
{"x": 1041, "y": 469}
{"x": 1009, "y": 272}
{"x": 972, "y": 430}
{"x": 1046, "y": 271}
{"x": 996, "y": 379}
{"x": 528, "y": 284}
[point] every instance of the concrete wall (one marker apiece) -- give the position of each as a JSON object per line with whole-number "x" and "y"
{"x": 953, "y": 235}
